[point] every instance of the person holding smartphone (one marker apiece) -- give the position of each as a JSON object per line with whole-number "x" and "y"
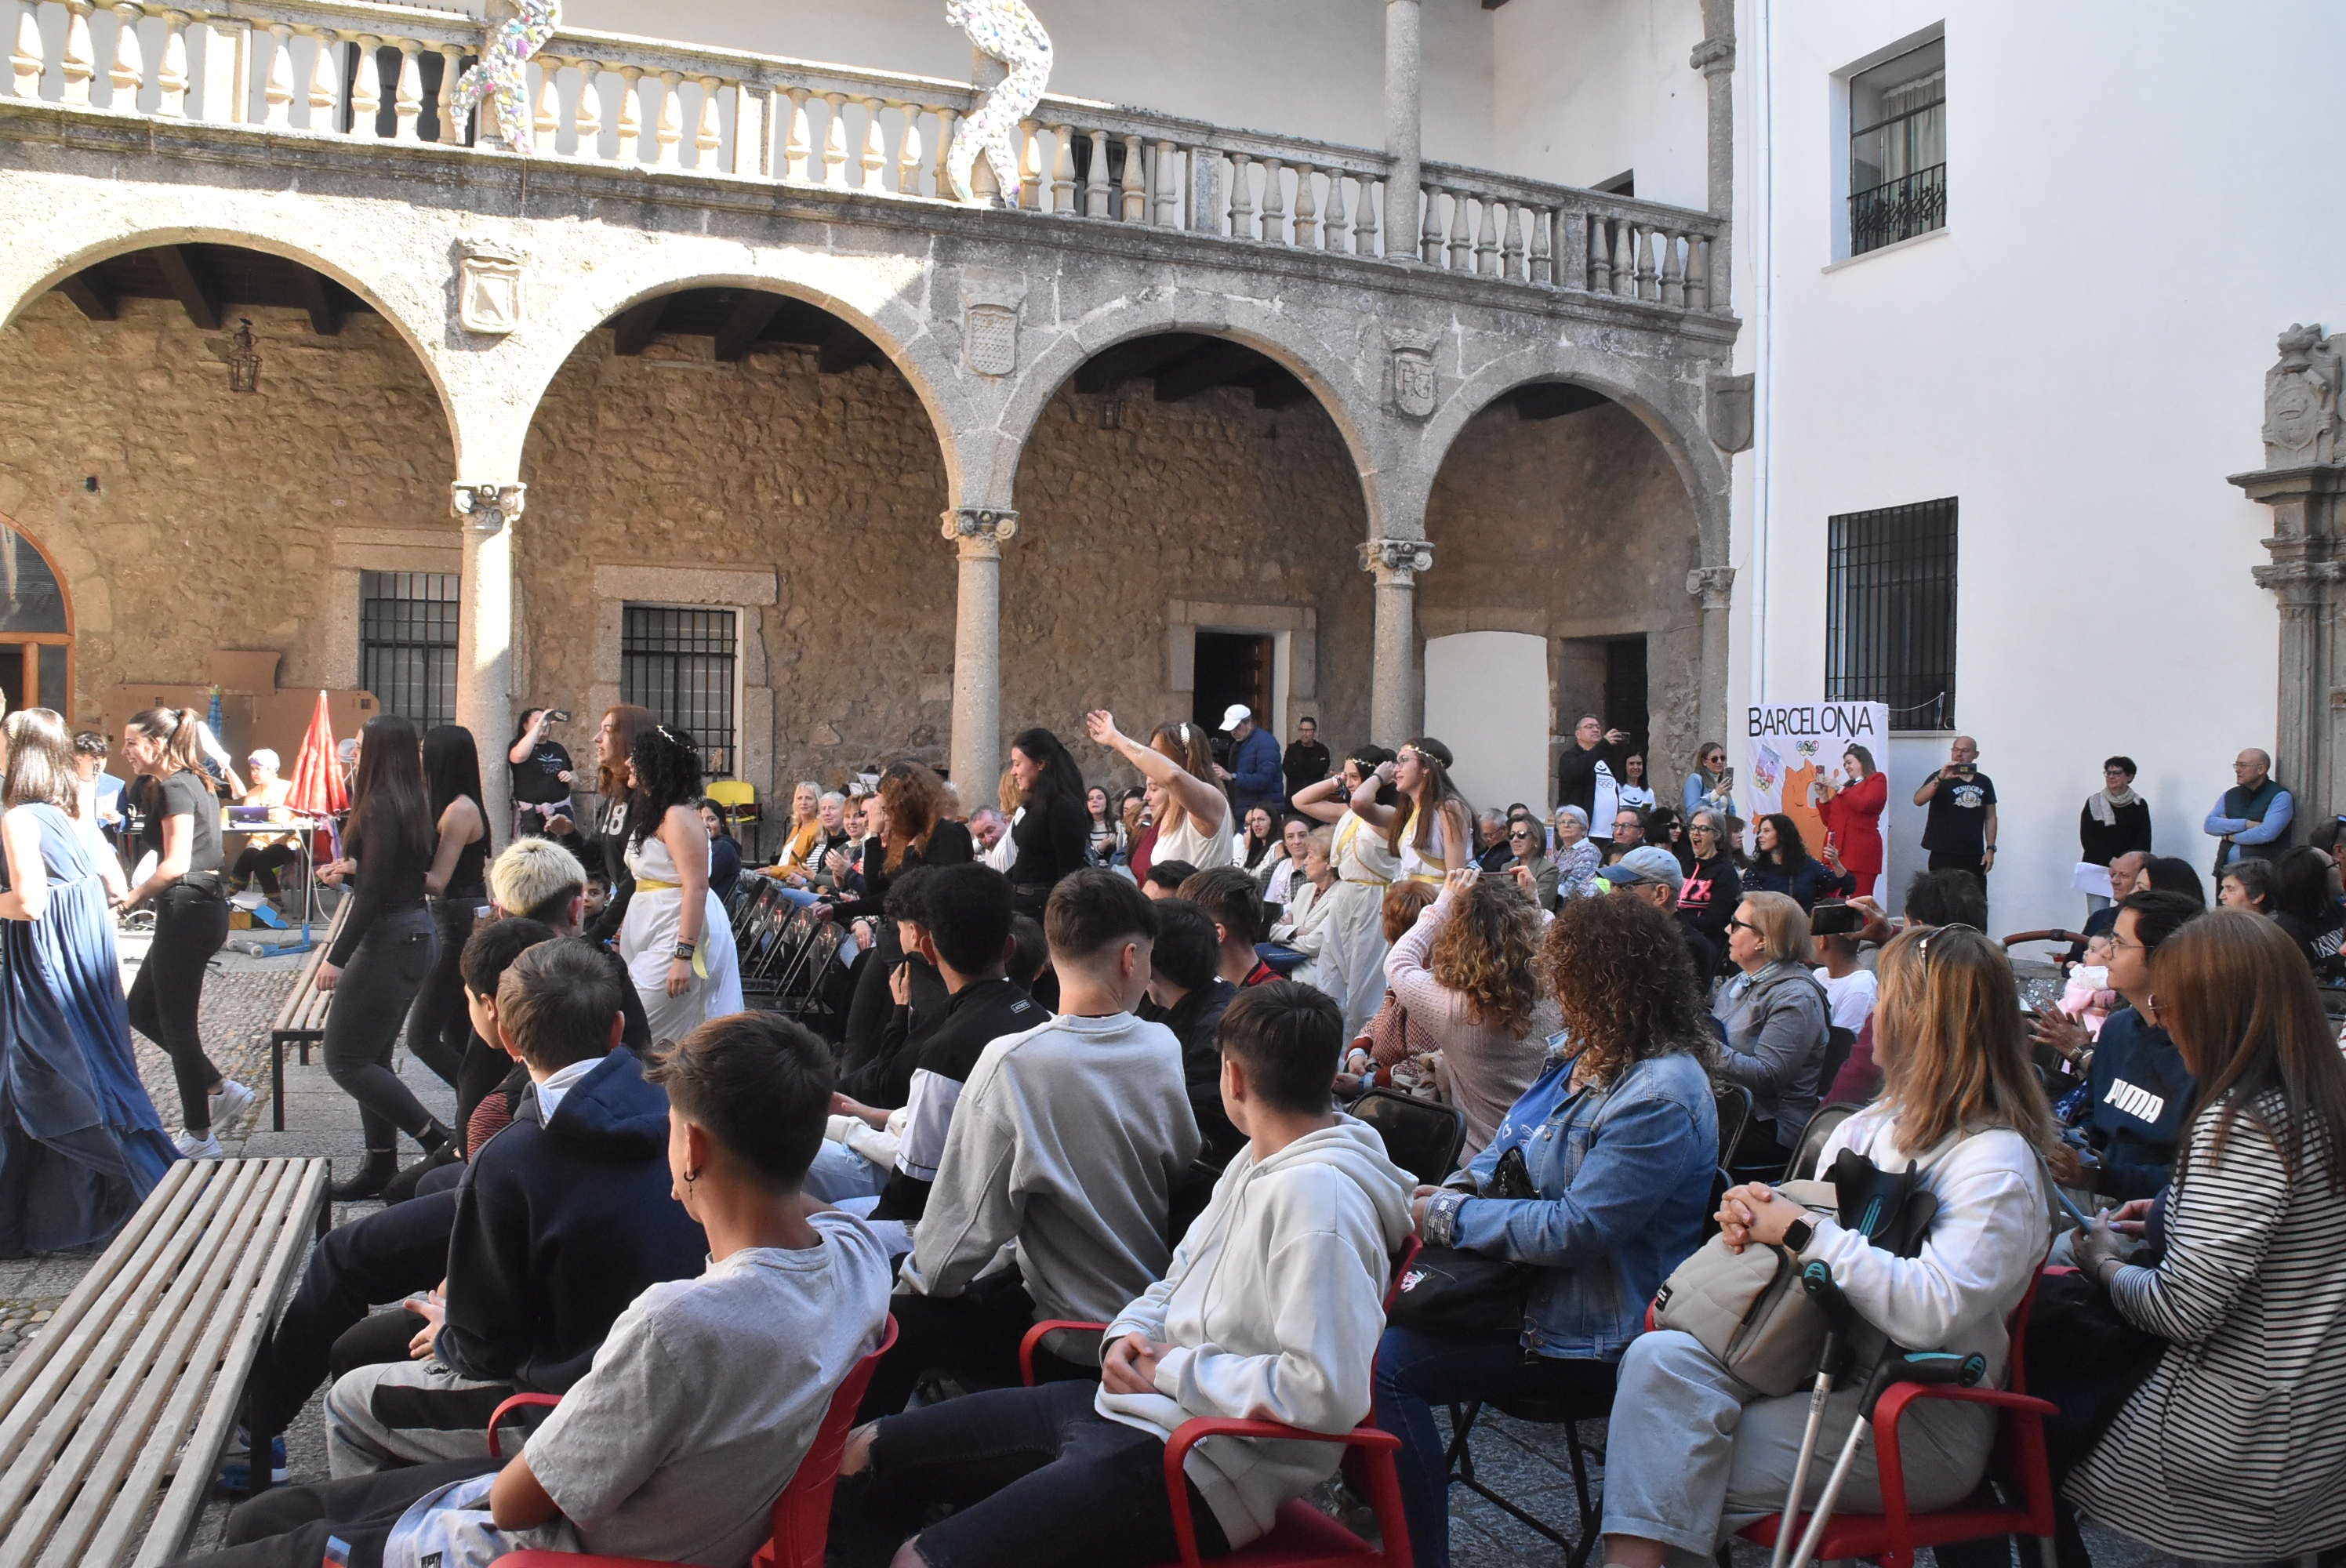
{"x": 1960, "y": 833}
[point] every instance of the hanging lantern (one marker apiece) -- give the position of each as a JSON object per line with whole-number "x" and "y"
{"x": 243, "y": 363}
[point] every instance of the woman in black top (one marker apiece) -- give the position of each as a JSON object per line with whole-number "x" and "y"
{"x": 541, "y": 772}
{"x": 379, "y": 961}
{"x": 1713, "y": 887}
{"x": 1054, "y": 832}
{"x": 2304, "y": 905}
{"x": 615, "y": 738}
{"x": 909, "y": 829}
{"x": 182, "y": 830}
{"x": 439, "y": 1026}
{"x": 724, "y": 850}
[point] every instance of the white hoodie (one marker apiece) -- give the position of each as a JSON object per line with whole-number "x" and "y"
{"x": 1274, "y": 1304}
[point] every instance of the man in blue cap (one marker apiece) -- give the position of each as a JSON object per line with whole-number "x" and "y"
{"x": 1651, "y": 872}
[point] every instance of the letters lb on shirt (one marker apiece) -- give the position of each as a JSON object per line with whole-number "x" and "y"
{"x": 2135, "y": 1101}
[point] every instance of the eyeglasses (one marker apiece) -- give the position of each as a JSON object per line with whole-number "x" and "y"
{"x": 1923, "y": 943}
{"x": 1704, "y": 828}
{"x": 1518, "y": 834}
{"x": 1733, "y": 923}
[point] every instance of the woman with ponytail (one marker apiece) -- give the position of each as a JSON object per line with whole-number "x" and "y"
{"x": 385, "y": 951}
{"x": 676, "y": 939}
{"x": 182, "y": 834}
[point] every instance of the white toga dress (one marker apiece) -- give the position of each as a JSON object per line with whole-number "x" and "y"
{"x": 647, "y": 940}
{"x": 1352, "y": 964}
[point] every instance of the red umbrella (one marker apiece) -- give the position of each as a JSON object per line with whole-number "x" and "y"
{"x": 317, "y": 787}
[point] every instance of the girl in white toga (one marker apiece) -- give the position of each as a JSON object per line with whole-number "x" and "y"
{"x": 1192, "y": 814}
{"x": 677, "y": 938}
{"x": 1352, "y": 954}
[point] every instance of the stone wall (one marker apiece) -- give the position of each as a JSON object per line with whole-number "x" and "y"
{"x": 1209, "y": 510}
{"x": 1569, "y": 528}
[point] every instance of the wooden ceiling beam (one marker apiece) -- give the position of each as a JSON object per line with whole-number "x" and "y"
{"x": 751, "y": 314}
{"x": 845, "y": 349}
{"x": 1215, "y": 365}
{"x": 90, "y": 295}
{"x": 318, "y": 299}
{"x": 633, "y": 330}
{"x": 197, "y": 294}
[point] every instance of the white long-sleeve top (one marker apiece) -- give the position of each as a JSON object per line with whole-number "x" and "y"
{"x": 1978, "y": 1258}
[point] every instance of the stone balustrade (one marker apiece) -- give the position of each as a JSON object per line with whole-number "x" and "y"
{"x": 366, "y": 72}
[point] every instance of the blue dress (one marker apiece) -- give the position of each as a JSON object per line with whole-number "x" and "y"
{"x": 80, "y": 1143}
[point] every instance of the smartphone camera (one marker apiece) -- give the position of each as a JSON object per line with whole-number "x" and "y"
{"x": 1834, "y": 917}
{"x": 558, "y": 716}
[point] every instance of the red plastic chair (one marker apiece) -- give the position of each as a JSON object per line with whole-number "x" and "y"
{"x": 802, "y": 1513}
{"x": 1891, "y": 1536}
{"x": 1303, "y": 1537}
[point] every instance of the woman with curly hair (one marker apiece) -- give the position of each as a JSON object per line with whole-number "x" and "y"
{"x": 1465, "y": 973}
{"x": 676, "y": 941}
{"x": 1618, "y": 1140}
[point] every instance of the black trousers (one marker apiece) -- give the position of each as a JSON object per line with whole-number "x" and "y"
{"x": 190, "y": 926}
{"x": 972, "y": 1337}
{"x": 371, "y": 1001}
{"x": 290, "y": 1527}
{"x": 1976, "y": 865}
{"x": 379, "y": 1258}
{"x": 1037, "y": 1477}
{"x": 438, "y": 1025}
{"x": 263, "y": 862}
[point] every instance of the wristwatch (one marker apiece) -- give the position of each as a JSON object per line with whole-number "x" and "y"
{"x": 685, "y": 950}
{"x": 1798, "y": 1234}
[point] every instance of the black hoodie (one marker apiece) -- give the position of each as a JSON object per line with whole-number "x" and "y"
{"x": 559, "y": 1227}
{"x": 2141, "y": 1094}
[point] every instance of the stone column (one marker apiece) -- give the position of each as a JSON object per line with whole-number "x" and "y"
{"x": 1715, "y": 58}
{"x": 1396, "y": 702}
{"x": 485, "y": 635}
{"x": 1401, "y": 129}
{"x": 2305, "y": 575}
{"x": 978, "y": 535}
{"x": 1716, "y": 587}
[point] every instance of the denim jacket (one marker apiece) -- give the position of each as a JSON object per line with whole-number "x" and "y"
{"x": 1624, "y": 1172}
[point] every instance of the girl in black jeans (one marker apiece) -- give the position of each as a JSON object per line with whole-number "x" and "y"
{"x": 385, "y": 951}
{"x": 183, "y": 832}
{"x": 437, "y": 1028}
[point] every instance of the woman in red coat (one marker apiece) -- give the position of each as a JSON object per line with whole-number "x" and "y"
{"x": 1852, "y": 817}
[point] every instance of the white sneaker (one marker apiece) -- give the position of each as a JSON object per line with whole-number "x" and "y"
{"x": 192, "y": 1147}
{"x": 230, "y": 1101}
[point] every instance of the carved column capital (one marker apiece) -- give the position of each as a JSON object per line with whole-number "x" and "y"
{"x": 487, "y": 507}
{"x": 1713, "y": 56}
{"x": 1714, "y": 584}
{"x": 2299, "y": 581}
{"x": 980, "y": 532}
{"x": 1397, "y": 560}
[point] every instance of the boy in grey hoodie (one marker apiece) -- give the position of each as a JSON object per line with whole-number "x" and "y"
{"x": 1271, "y": 1310}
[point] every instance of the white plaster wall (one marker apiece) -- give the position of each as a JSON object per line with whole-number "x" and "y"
{"x": 1299, "y": 68}
{"x": 2078, "y": 357}
{"x": 1583, "y": 90}
{"x": 1486, "y": 699}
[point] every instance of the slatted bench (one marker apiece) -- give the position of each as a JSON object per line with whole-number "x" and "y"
{"x": 302, "y": 1018}
{"x": 113, "y": 1418}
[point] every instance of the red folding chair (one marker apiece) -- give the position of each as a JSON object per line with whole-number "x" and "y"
{"x": 1891, "y": 1536}
{"x": 802, "y": 1513}
{"x": 1303, "y": 1537}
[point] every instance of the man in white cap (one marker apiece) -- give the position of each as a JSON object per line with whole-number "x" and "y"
{"x": 1253, "y": 776}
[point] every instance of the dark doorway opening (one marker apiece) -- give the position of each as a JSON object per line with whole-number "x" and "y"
{"x": 1624, "y": 691}
{"x": 1231, "y": 667}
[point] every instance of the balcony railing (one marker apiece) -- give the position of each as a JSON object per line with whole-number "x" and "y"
{"x": 1898, "y": 209}
{"x": 356, "y": 72}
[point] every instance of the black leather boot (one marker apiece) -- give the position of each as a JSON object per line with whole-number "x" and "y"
{"x": 379, "y": 1166}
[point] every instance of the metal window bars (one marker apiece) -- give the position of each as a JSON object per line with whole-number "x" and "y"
{"x": 1889, "y": 632}
{"x": 407, "y": 642}
{"x": 680, "y": 663}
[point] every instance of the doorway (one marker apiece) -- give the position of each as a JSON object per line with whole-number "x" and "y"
{"x": 1606, "y": 677}
{"x": 35, "y": 627}
{"x": 1625, "y": 690}
{"x": 1233, "y": 666}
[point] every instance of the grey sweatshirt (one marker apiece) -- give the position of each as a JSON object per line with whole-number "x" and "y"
{"x": 1776, "y": 1029}
{"x": 1067, "y": 1140}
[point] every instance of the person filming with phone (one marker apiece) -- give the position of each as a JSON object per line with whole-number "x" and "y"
{"x": 1960, "y": 833}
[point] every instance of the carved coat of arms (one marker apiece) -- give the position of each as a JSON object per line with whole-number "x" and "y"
{"x": 1415, "y": 386}
{"x": 488, "y": 287}
{"x": 2302, "y": 400}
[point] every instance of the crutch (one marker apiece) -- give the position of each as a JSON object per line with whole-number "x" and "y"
{"x": 1898, "y": 1366}
{"x": 1818, "y": 1281}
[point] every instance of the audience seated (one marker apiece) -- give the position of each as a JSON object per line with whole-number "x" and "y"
{"x": 561, "y": 1221}
{"x": 2305, "y": 906}
{"x": 1691, "y": 1453}
{"x": 1464, "y": 971}
{"x": 1234, "y": 903}
{"x": 1932, "y": 899}
{"x": 2233, "y": 1448}
{"x": 1068, "y": 1140}
{"x": 1164, "y": 879}
{"x": 1775, "y": 1014}
{"x": 1186, "y": 996}
{"x": 1620, "y": 1136}
{"x": 1270, "y": 1310}
{"x": 1784, "y": 865}
{"x": 706, "y": 1394}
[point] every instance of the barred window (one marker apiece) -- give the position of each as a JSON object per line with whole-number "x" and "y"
{"x": 1890, "y": 593}
{"x": 680, "y": 663}
{"x": 1897, "y": 149}
{"x": 407, "y": 642}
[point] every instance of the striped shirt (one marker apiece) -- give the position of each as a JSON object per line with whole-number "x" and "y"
{"x": 2235, "y": 1446}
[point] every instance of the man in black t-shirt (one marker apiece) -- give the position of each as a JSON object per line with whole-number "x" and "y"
{"x": 1307, "y": 761}
{"x": 1959, "y": 832}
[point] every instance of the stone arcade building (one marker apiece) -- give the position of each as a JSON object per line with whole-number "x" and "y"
{"x": 717, "y": 344}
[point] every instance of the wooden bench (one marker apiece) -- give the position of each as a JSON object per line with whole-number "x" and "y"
{"x": 113, "y": 1418}
{"x": 302, "y": 1018}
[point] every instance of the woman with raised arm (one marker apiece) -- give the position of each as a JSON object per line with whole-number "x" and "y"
{"x": 1430, "y": 828}
{"x": 1191, "y": 813}
{"x": 1851, "y": 809}
{"x": 78, "y": 1136}
{"x": 439, "y": 1026}
{"x": 676, "y": 941}
{"x": 1353, "y": 951}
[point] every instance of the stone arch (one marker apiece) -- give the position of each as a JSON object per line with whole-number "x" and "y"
{"x": 1324, "y": 368}
{"x": 70, "y": 251}
{"x": 893, "y": 321}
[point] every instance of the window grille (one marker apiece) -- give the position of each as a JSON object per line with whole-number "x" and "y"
{"x": 407, "y": 642}
{"x": 1897, "y": 149}
{"x": 681, "y": 663}
{"x": 1889, "y": 632}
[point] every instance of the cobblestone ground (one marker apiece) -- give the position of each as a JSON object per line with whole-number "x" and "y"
{"x": 1528, "y": 1464}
